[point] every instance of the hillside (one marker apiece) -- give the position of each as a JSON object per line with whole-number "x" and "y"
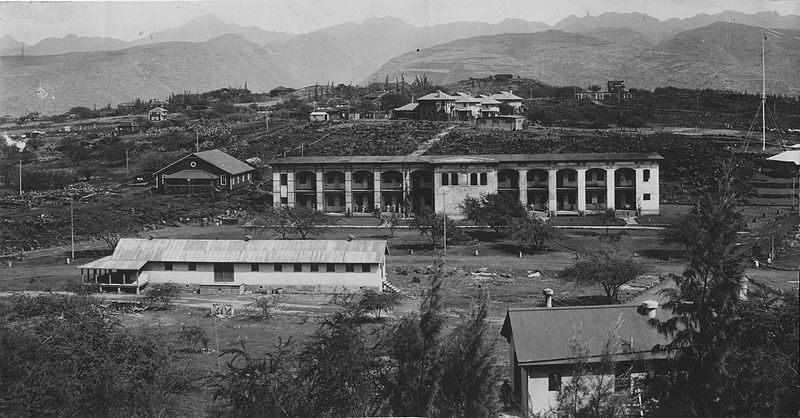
{"x": 719, "y": 56}
{"x": 152, "y": 71}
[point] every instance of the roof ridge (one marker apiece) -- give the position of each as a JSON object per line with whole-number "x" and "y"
{"x": 561, "y": 308}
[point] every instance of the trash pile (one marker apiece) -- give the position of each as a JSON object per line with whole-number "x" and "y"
{"x": 78, "y": 191}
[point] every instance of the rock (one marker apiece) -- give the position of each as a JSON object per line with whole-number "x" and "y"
{"x": 535, "y": 274}
{"x": 482, "y": 270}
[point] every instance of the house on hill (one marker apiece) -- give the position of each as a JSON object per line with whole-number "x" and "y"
{"x": 234, "y": 266}
{"x": 508, "y": 98}
{"x": 126, "y": 128}
{"x": 203, "y": 171}
{"x": 540, "y": 358}
{"x": 407, "y": 111}
{"x": 158, "y": 114}
{"x": 489, "y": 107}
{"x": 281, "y": 91}
{"x": 467, "y": 107}
{"x": 436, "y": 106}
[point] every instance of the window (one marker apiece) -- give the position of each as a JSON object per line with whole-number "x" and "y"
{"x": 454, "y": 179}
{"x": 284, "y": 200}
{"x": 254, "y": 267}
{"x": 646, "y": 196}
{"x": 473, "y": 179}
{"x": 315, "y": 267}
{"x": 365, "y": 268}
{"x": 646, "y": 174}
{"x": 192, "y": 266}
{"x": 571, "y": 176}
{"x": 331, "y": 200}
{"x": 330, "y": 268}
{"x": 277, "y": 267}
{"x": 350, "y": 268}
{"x": 501, "y": 177}
{"x": 298, "y": 268}
{"x": 554, "y": 382}
{"x": 284, "y": 179}
{"x": 484, "y": 179}
{"x": 445, "y": 179}
{"x": 223, "y": 180}
{"x": 168, "y": 266}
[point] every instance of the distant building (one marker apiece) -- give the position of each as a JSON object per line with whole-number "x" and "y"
{"x": 540, "y": 358}
{"x": 489, "y": 107}
{"x": 508, "y": 98}
{"x": 158, "y": 114}
{"x": 616, "y": 91}
{"x": 501, "y": 123}
{"x": 281, "y": 91}
{"x": 126, "y": 128}
{"x": 234, "y": 266}
{"x": 407, "y": 111}
{"x": 319, "y": 116}
{"x": 436, "y": 106}
{"x": 562, "y": 184}
{"x": 341, "y": 112}
{"x": 204, "y": 170}
{"x": 467, "y": 107}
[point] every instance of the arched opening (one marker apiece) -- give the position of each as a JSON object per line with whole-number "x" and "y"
{"x": 421, "y": 193}
{"x": 567, "y": 189}
{"x": 363, "y": 187}
{"x": 625, "y": 189}
{"x": 596, "y": 186}
{"x": 538, "y": 194}
{"x": 333, "y": 188}
{"x": 508, "y": 183}
{"x": 391, "y": 191}
{"x": 305, "y": 188}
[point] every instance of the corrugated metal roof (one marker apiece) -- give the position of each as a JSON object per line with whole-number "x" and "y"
{"x": 506, "y": 95}
{"x": 408, "y": 107}
{"x": 515, "y": 158}
{"x": 436, "y": 96}
{"x": 253, "y": 251}
{"x": 488, "y": 100}
{"x": 465, "y": 98}
{"x": 542, "y": 335}
{"x": 223, "y": 161}
{"x": 109, "y": 263}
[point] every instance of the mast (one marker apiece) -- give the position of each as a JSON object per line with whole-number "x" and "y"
{"x": 763, "y": 94}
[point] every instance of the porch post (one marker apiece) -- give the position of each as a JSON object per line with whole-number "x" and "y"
{"x": 581, "y": 190}
{"x": 320, "y": 192}
{"x": 376, "y": 182}
{"x": 348, "y": 190}
{"x": 552, "y": 195}
{"x": 291, "y": 196}
{"x": 523, "y": 187}
{"x": 610, "y": 188}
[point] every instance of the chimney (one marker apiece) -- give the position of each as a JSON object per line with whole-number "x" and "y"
{"x": 648, "y": 308}
{"x": 350, "y": 238}
{"x": 150, "y": 237}
{"x": 248, "y": 237}
{"x": 548, "y": 297}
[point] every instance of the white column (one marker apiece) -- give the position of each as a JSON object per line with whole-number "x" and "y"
{"x": 610, "y": 188}
{"x": 348, "y": 189}
{"x": 552, "y": 195}
{"x": 291, "y": 195}
{"x": 523, "y": 187}
{"x": 320, "y": 192}
{"x": 581, "y": 189}
{"x": 276, "y": 188}
{"x": 376, "y": 182}
{"x": 639, "y": 182}
{"x": 406, "y": 184}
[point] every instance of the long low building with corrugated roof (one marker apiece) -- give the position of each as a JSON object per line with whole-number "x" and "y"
{"x": 233, "y": 266}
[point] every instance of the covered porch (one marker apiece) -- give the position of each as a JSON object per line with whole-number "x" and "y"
{"x": 115, "y": 275}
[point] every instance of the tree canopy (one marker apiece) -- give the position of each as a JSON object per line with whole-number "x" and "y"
{"x": 608, "y": 267}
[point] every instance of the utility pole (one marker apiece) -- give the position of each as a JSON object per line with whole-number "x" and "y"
{"x": 72, "y": 225}
{"x": 444, "y": 220}
{"x": 763, "y": 94}
{"x": 127, "y": 167}
{"x": 20, "y": 177}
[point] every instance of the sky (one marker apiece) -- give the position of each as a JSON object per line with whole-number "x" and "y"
{"x": 127, "y": 20}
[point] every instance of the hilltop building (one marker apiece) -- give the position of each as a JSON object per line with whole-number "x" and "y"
{"x": 615, "y": 91}
{"x": 436, "y": 106}
{"x": 560, "y": 184}
{"x": 204, "y": 170}
{"x": 281, "y": 91}
{"x": 508, "y": 98}
{"x": 233, "y": 266}
{"x": 540, "y": 358}
{"x": 158, "y": 114}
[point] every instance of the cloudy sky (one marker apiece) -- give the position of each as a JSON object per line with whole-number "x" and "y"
{"x": 33, "y": 21}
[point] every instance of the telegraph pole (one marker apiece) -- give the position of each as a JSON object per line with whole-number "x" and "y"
{"x": 20, "y": 177}
{"x": 763, "y": 94}
{"x": 72, "y": 224}
{"x": 127, "y": 168}
{"x": 444, "y": 219}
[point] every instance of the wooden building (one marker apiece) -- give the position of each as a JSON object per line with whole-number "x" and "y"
{"x": 204, "y": 170}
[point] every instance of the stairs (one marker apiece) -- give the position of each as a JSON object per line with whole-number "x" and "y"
{"x": 388, "y": 287}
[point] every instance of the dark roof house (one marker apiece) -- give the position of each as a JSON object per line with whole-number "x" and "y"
{"x": 206, "y": 169}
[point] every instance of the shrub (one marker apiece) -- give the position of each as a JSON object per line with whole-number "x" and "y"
{"x": 161, "y": 295}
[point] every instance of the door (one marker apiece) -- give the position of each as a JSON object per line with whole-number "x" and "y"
{"x": 223, "y": 272}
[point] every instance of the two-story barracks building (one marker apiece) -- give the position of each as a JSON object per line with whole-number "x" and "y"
{"x": 563, "y": 184}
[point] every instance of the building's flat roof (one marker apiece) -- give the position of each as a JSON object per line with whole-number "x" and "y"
{"x": 135, "y": 252}
{"x": 542, "y": 335}
{"x": 433, "y": 159}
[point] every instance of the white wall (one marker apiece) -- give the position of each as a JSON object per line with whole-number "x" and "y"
{"x": 456, "y": 194}
{"x": 540, "y": 398}
{"x": 649, "y": 207}
{"x": 266, "y": 278}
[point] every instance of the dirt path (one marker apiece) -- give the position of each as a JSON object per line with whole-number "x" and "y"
{"x": 429, "y": 143}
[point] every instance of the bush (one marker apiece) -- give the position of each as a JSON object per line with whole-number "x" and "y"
{"x": 161, "y": 295}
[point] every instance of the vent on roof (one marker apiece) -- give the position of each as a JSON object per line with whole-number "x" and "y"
{"x": 648, "y": 308}
{"x": 548, "y": 297}
{"x": 248, "y": 237}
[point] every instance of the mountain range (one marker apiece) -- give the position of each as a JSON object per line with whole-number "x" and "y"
{"x": 208, "y": 53}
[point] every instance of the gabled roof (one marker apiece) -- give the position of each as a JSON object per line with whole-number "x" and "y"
{"x": 136, "y": 251}
{"x": 485, "y": 100}
{"x": 465, "y": 98}
{"x": 158, "y": 109}
{"x": 505, "y": 95}
{"x": 410, "y": 107}
{"x": 439, "y": 96}
{"x": 542, "y": 335}
{"x": 282, "y": 88}
{"x": 374, "y": 95}
{"x": 791, "y": 156}
{"x": 218, "y": 159}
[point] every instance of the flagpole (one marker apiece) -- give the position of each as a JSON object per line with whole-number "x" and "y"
{"x": 763, "y": 94}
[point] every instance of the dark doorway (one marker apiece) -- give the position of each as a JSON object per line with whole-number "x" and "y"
{"x": 223, "y": 272}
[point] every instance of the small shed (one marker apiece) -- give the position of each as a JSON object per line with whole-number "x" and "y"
{"x": 319, "y": 117}
{"x": 501, "y": 123}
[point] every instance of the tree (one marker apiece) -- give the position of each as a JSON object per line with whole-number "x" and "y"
{"x": 431, "y": 225}
{"x": 605, "y": 266}
{"x": 493, "y": 210}
{"x": 372, "y": 302}
{"x": 390, "y": 221}
{"x": 307, "y": 222}
{"x": 703, "y": 303}
{"x": 161, "y": 295}
{"x": 532, "y": 232}
{"x": 271, "y": 218}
